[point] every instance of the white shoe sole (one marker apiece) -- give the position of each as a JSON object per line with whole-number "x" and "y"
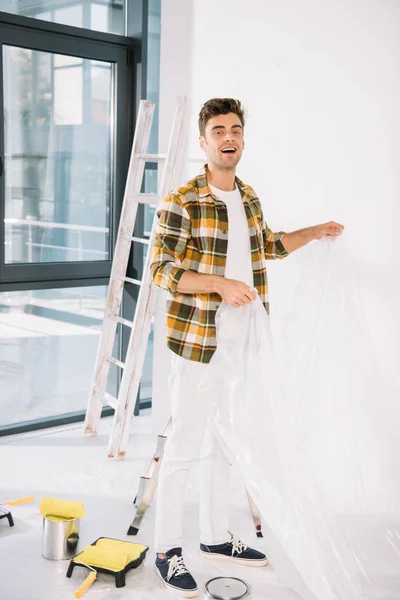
{"x": 240, "y": 561}
{"x": 178, "y": 592}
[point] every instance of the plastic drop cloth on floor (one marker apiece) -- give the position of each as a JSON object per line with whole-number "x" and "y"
{"x": 67, "y": 465}
{"x": 314, "y": 434}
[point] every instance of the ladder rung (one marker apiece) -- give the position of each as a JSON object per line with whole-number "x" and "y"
{"x": 130, "y": 280}
{"x": 152, "y": 157}
{"x": 148, "y": 198}
{"x": 107, "y": 398}
{"x": 122, "y": 321}
{"x": 136, "y": 239}
{"x": 115, "y": 361}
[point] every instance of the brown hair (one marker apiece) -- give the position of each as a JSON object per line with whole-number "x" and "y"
{"x": 220, "y": 106}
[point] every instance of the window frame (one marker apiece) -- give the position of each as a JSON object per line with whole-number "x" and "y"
{"x": 124, "y": 52}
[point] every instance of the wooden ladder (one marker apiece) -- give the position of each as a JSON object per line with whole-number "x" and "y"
{"x": 124, "y": 404}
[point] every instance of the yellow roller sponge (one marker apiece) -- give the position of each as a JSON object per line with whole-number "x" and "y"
{"x": 61, "y": 510}
{"x": 105, "y": 558}
{"x": 134, "y": 551}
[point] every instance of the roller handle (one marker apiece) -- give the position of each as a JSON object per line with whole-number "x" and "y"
{"x": 20, "y": 501}
{"x": 85, "y": 585}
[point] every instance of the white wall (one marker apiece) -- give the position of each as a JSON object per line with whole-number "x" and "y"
{"x": 321, "y": 82}
{"x": 175, "y": 76}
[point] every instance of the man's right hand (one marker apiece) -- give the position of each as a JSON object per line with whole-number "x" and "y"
{"x": 235, "y": 293}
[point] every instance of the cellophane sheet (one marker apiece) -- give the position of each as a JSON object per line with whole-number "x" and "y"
{"x": 306, "y": 418}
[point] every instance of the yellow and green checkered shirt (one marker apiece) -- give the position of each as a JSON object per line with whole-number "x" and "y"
{"x": 192, "y": 234}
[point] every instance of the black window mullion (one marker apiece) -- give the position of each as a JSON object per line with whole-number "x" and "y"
{"x": 19, "y": 286}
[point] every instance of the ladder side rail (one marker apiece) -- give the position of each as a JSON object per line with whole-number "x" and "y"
{"x": 120, "y": 263}
{"x": 134, "y": 366}
{"x": 176, "y": 148}
{"x": 135, "y": 356}
{"x": 134, "y": 362}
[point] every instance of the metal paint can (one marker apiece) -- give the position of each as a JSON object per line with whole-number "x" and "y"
{"x": 60, "y": 539}
{"x": 227, "y": 588}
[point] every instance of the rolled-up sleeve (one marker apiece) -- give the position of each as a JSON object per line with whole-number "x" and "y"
{"x": 172, "y": 234}
{"x": 273, "y": 246}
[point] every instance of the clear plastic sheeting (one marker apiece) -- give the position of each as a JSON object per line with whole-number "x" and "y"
{"x": 314, "y": 433}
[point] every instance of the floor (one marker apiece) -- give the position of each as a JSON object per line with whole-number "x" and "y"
{"x": 63, "y": 463}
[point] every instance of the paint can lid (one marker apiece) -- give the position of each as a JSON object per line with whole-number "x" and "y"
{"x": 227, "y": 588}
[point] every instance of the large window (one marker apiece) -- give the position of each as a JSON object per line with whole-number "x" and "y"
{"x": 48, "y": 344}
{"x": 66, "y": 103}
{"x": 57, "y": 156}
{"x": 69, "y": 84}
{"x": 99, "y": 15}
{"x": 67, "y": 114}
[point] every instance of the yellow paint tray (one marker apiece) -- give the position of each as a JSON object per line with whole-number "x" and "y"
{"x": 116, "y": 558}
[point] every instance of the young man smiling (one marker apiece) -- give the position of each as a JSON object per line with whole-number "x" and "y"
{"x": 211, "y": 246}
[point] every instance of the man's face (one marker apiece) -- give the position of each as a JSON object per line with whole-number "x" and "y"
{"x": 223, "y": 141}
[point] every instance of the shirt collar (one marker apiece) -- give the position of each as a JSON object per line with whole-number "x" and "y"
{"x": 204, "y": 189}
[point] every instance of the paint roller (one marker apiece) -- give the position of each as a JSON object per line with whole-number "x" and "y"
{"x": 61, "y": 510}
{"x": 100, "y": 557}
{"x": 5, "y": 513}
{"x": 19, "y": 501}
{"x": 107, "y": 555}
{"x": 86, "y": 584}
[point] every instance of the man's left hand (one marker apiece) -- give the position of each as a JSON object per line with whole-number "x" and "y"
{"x": 332, "y": 229}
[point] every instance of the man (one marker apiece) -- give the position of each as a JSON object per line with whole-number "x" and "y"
{"x": 211, "y": 246}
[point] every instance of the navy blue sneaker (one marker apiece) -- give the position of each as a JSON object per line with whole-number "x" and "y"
{"x": 175, "y": 575}
{"x": 235, "y": 551}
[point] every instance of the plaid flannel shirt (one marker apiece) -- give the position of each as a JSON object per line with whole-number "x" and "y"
{"x": 192, "y": 234}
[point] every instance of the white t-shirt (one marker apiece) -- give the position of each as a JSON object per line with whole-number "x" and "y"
{"x": 238, "y": 258}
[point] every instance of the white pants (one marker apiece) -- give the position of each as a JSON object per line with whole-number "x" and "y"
{"x": 190, "y": 440}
